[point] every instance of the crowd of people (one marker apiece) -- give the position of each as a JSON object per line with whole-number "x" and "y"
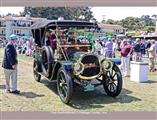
{"x": 26, "y": 47}
{"x": 130, "y": 50}
{"x": 22, "y": 46}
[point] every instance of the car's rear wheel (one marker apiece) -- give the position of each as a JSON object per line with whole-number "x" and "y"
{"x": 112, "y": 81}
{"x": 37, "y": 76}
{"x": 64, "y": 86}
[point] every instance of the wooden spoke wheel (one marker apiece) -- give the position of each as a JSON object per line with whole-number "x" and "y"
{"x": 64, "y": 86}
{"x": 112, "y": 81}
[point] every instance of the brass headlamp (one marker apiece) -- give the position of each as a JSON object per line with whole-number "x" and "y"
{"x": 78, "y": 68}
{"x": 107, "y": 65}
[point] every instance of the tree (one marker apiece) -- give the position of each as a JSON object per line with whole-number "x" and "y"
{"x": 149, "y": 28}
{"x": 132, "y": 23}
{"x": 103, "y": 21}
{"x": 14, "y": 15}
{"x": 68, "y": 13}
{"x": 110, "y": 21}
{"x": 148, "y": 21}
{"x": 154, "y": 17}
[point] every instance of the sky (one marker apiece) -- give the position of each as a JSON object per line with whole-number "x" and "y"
{"x": 118, "y": 13}
{"x": 100, "y": 13}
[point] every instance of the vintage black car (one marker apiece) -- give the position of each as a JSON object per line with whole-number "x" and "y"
{"x": 61, "y": 54}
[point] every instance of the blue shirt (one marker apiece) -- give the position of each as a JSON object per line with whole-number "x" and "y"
{"x": 109, "y": 45}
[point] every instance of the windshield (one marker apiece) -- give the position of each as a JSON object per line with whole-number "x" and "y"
{"x": 71, "y": 35}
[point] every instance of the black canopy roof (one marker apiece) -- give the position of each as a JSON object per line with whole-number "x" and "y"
{"x": 39, "y": 27}
{"x": 62, "y": 23}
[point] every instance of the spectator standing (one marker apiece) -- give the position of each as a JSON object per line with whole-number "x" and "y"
{"x": 143, "y": 52}
{"x": 98, "y": 47}
{"x": 147, "y": 47}
{"x": 152, "y": 55}
{"x": 31, "y": 47}
{"x": 137, "y": 50}
{"x": 103, "y": 47}
{"x": 131, "y": 49}
{"x": 27, "y": 47}
{"x": 108, "y": 48}
{"x": 47, "y": 38}
{"x": 119, "y": 42}
{"x": 125, "y": 57}
{"x": 53, "y": 43}
{"x": 114, "y": 48}
{"x": 10, "y": 65}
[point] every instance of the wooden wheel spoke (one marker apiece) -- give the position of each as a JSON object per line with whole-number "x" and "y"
{"x": 110, "y": 87}
{"x": 114, "y": 75}
{"x": 46, "y": 63}
{"x": 114, "y": 86}
{"x": 62, "y": 77}
{"x": 64, "y": 91}
{"x": 65, "y": 85}
{"x": 111, "y": 72}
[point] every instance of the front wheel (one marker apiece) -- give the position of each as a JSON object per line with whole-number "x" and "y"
{"x": 112, "y": 81}
{"x": 64, "y": 86}
{"x": 37, "y": 76}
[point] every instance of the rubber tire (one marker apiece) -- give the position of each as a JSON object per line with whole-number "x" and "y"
{"x": 69, "y": 83}
{"x": 119, "y": 82}
{"x": 50, "y": 57}
{"x": 37, "y": 76}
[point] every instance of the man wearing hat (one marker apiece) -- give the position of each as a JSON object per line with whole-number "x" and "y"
{"x": 10, "y": 65}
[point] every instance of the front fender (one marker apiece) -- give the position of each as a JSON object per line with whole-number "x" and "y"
{"x": 116, "y": 61}
{"x": 67, "y": 65}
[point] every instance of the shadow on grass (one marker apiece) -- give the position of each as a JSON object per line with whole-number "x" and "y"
{"x": 30, "y": 95}
{"x": 95, "y": 99}
{"x": 2, "y": 86}
{"x": 98, "y": 99}
{"x": 25, "y": 94}
{"x": 150, "y": 81}
{"x": 51, "y": 85}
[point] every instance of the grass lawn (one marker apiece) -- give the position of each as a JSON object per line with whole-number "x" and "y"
{"x": 43, "y": 96}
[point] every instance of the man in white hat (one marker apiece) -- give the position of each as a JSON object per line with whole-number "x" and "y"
{"x": 10, "y": 65}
